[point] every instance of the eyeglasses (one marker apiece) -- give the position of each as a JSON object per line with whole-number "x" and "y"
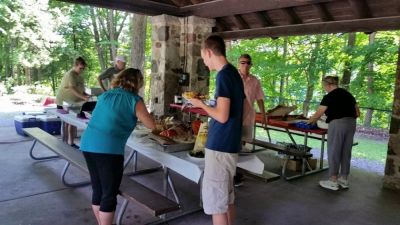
{"x": 246, "y": 62}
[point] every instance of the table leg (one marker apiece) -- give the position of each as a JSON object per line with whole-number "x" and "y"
{"x": 290, "y": 136}
{"x": 321, "y": 158}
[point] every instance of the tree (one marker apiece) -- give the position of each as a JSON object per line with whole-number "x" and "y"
{"x": 138, "y": 29}
{"x": 347, "y": 66}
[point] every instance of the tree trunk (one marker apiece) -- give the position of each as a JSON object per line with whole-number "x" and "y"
{"x": 111, "y": 30}
{"x": 347, "y": 65}
{"x": 28, "y": 75}
{"x": 138, "y": 33}
{"x": 311, "y": 75}
{"x": 282, "y": 81}
{"x": 100, "y": 53}
{"x": 370, "y": 83}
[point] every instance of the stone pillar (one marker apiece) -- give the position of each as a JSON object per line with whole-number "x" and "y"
{"x": 196, "y": 30}
{"x": 392, "y": 168}
{"x": 176, "y": 44}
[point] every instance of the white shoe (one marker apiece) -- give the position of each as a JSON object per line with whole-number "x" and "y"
{"x": 329, "y": 184}
{"x": 343, "y": 183}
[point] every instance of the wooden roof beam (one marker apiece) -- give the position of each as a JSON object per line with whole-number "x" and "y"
{"x": 294, "y": 18}
{"x": 264, "y": 18}
{"x": 240, "y": 22}
{"x": 138, "y": 6}
{"x": 360, "y": 25}
{"x": 178, "y": 3}
{"x": 221, "y": 8}
{"x": 360, "y": 8}
{"x": 323, "y": 12}
{"x": 194, "y": 2}
{"x": 222, "y": 25}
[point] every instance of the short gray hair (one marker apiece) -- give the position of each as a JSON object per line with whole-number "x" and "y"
{"x": 333, "y": 80}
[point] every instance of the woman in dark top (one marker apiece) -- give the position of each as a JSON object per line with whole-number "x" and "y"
{"x": 341, "y": 110}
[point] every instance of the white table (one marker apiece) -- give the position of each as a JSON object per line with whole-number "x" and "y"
{"x": 179, "y": 162}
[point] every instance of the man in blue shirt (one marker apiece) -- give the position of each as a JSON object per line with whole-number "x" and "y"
{"x": 224, "y": 134}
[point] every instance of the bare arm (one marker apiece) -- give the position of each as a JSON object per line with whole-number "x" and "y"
{"x": 144, "y": 116}
{"x": 357, "y": 111}
{"x": 261, "y": 107}
{"x": 220, "y": 113}
{"x": 83, "y": 96}
{"x": 101, "y": 83}
{"x": 320, "y": 111}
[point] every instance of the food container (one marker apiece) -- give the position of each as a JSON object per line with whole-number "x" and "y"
{"x": 178, "y": 99}
{"x": 25, "y": 121}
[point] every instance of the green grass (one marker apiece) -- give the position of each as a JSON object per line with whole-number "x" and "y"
{"x": 366, "y": 149}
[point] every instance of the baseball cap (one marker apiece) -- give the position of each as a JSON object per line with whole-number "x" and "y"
{"x": 120, "y": 58}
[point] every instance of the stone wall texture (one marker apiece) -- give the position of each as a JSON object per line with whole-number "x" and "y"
{"x": 176, "y": 45}
{"x": 392, "y": 168}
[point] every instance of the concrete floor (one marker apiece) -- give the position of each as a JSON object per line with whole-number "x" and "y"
{"x": 31, "y": 193}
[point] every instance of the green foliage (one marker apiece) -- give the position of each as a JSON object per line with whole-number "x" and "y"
{"x": 47, "y": 35}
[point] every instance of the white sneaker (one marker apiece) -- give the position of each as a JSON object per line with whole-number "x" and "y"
{"x": 343, "y": 183}
{"x": 329, "y": 184}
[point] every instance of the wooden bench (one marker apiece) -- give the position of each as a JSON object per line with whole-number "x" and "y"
{"x": 130, "y": 190}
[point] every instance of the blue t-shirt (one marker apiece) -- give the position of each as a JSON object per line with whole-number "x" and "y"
{"x": 112, "y": 122}
{"x": 226, "y": 137}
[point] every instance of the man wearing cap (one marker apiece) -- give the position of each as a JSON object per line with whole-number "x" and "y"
{"x": 106, "y": 77}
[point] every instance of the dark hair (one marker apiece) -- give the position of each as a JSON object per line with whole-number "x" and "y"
{"x": 333, "y": 80}
{"x": 80, "y": 61}
{"x": 216, "y": 44}
{"x": 130, "y": 79}
{"x": 245, "y": 56}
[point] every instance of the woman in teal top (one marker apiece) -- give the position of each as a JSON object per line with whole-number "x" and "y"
{"x": 103, "y": 142}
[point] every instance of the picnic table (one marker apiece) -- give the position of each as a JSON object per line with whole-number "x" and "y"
{"x": 179, "y": 162}
{"x": 286, "y": 125}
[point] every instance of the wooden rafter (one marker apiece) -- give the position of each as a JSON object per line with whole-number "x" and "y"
{"x": 360, "y": 8}
{"x": 360, "y": 25}
{"x": 323, "y": 12}
{"x": 240, "y": 22}
{"x": 221, "y": 8}
{"x": 137, "y": 6}
{"x": 222, "y": 25}
{"x": 294, "y": 18}
{"x": 178, "y": 3}
{"x": 194, "y": 2}
{"x": 264, "y": 18}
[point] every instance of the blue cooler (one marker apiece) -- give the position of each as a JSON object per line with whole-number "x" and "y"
{"x": 49, "y": 123}
{"x": 25, "y": 121}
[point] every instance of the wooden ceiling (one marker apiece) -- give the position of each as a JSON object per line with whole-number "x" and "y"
{"x": 239, "y": 19}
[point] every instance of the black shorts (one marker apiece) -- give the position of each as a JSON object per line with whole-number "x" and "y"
{"x": 105, "y": 174}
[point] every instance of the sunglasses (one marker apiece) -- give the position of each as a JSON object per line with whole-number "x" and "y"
{"x": 245, "y": 62}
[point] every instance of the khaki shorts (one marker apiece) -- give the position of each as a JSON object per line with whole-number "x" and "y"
{"x": 217, "y": 188}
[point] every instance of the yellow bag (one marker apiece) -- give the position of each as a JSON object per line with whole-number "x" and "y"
{"x": 201, "y": 138}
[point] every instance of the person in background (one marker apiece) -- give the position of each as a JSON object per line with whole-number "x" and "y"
{"x": 103, "y": 142}
{"x": 105, "y": 78}
{"x": 72, "y": 91}
{"x": 254, "y": 93}
{"x": 224, "y": 134}
{"x": 341, "y": 110}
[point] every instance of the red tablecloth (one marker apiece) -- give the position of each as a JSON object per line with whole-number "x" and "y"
{"x": 277, "y": 121}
